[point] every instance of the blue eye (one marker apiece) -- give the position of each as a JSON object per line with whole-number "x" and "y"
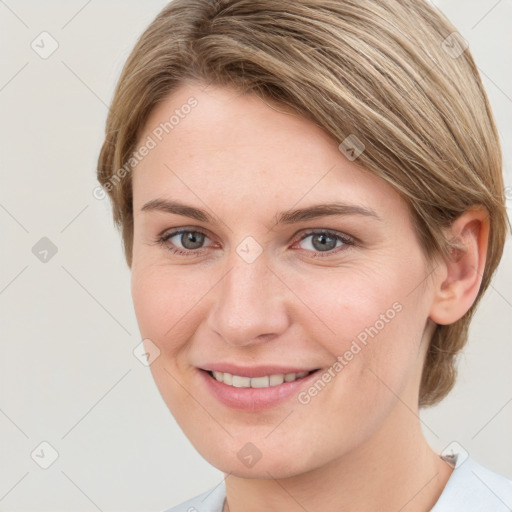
{"x": 325, "y": 242}
{"x": 191, "y": 242}
{"x": 190, "y": 239}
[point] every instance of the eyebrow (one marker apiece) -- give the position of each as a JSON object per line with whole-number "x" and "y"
{"x": 178, "y": 208}
{"x": 285, "y": 217}
{"x": 322, "y": 210}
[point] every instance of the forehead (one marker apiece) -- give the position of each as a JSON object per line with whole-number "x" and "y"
{"x": 233, "y": 146}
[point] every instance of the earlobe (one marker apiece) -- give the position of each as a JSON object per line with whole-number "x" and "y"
{"x": 459, "y": 284}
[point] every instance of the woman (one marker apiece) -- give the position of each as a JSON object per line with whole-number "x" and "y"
{"x": 311, "y": 202}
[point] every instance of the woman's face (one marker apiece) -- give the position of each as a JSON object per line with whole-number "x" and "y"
{"x": 241, "y": 267}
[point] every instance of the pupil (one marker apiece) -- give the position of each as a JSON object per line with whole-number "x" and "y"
{"x": 323, "y": 242}
{"x": 192, "y": 240}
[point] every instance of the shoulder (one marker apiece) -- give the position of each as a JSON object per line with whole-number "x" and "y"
{"x": 474, "y": 488}
{"x": 211, "y": 500}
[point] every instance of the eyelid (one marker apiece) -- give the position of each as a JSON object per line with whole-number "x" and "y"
{"x": 347, "y": 240}
{"x": 169, "y": 233}
{"x": 319, "y": 231}
{"x": 163, "y": 240}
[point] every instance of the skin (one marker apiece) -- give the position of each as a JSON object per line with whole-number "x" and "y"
{"x": 358, "y": 444}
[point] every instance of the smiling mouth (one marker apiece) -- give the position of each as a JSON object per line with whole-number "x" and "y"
{"x": 265, "y": 381}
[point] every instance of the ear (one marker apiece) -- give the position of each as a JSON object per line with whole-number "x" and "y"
{"x": 460, "y": 275}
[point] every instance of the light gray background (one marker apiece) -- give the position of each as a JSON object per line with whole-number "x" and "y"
{"x": 68, "y": 374}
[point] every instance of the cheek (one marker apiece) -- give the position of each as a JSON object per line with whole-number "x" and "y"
{"x": 368, "y": 321}
{"x": 166, "y": 306}
{"x": 165, "y": 303}
{"x": 349, "y": 303}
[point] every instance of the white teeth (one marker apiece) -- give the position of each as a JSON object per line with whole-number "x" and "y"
{"x": 275, "y": 380}
{"x": 241, "y": 382}
{"x": 257, "y": 382}
{"x": 260, "y": 382}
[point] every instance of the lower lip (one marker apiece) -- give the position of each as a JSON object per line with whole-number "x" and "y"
{"x": 254, "y": 399}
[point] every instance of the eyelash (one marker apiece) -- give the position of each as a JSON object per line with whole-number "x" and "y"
{"x": 346, "y": 240}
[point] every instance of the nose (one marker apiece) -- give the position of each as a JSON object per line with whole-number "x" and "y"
{"x": 250, "y": 304}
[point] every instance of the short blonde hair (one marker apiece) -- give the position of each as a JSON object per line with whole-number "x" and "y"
{"x": 393, "y": 73}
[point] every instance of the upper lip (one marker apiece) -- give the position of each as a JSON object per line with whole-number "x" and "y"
{"x": 254, "y": 371}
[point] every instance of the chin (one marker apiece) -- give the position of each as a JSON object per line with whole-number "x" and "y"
{"x": 270, "y": 468}
{"x": 262, "y": 459}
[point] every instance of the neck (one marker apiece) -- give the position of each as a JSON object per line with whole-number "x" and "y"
{"x": 393, "y": 470}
